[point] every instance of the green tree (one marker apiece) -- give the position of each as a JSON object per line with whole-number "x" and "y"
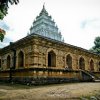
{"x": 4, "y": 6}
{"x": 96, "y": 47}
{"x": 1, "y": 37}
{"x": 4, "y": 11}
{"x": 2, "y": 33}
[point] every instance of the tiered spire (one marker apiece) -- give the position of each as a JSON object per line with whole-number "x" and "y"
{"x": 45, "y": 26}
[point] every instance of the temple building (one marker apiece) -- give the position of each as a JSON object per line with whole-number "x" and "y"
{"x": 42, "y": 57}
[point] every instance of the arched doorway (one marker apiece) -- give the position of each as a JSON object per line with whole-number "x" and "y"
{"x": 0, "y": 63}
{"x": 20, "y": 59}
{"x": 81, "y": 63}
{"x": 69, "y": 61}
{"x": 51, "y": 59}
{"x": 91, "y": 65}
{"x": 8, "y": 61}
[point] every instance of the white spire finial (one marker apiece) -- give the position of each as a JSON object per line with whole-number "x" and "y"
{"x": 44, "y": 5}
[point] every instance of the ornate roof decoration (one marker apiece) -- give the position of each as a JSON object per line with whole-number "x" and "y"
{"x": 45, "y": 26}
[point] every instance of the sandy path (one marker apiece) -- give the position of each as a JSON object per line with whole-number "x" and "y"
{"x": 51, "y": 92}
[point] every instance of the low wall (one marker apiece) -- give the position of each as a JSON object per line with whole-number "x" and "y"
{"x": 97, "y": 74}
{"x": 42, "y": 76}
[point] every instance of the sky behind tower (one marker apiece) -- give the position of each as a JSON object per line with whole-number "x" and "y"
{"x": 78, "y": 20}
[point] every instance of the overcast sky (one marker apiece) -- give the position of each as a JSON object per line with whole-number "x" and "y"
{"x": 78, "y": 20}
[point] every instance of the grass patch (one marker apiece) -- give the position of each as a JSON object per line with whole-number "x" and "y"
{"x": 10, "y": 86}
{"x": 95, "y": 96}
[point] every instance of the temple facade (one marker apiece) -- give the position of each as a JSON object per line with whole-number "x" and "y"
{"x": 43, "y": 55}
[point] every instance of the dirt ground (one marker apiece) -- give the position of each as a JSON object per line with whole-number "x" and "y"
{"x": 68, "y": 91}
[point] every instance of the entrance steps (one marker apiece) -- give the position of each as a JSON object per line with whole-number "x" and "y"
{"x": 90, "y": 76}
{"x": 97, "y": 80}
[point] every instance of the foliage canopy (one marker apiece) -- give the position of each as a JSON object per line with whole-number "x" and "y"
{"x": 4, "y": 6}
{"x": 4, "y": 11}
{"x": 96, "y": 47}
{"x": 2, "y": 33}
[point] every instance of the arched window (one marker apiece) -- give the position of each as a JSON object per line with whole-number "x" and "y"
{"x": 91, "y": 65}
{"x": 8, "y": 61}
{"x": 69, "y": 61}
{"x": 0, "y": 63}
{"x": 20, "y": 59}
{"x": 51, "y": 59}
{"x": 81, "y": 63}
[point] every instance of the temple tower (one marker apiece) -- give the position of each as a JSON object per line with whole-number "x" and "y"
{"x": 45, "y": 26}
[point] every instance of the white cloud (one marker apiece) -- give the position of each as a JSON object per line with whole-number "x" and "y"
{"x": 5, "y": 42}
{"x": 68, "y": 14}
{"x": 93, "y": 24}
{"x": 4, "y": 25}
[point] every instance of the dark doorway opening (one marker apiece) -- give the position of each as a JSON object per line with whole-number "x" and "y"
{"x": 82, "y": 63}
{"x": 51, "y": 59}
{"x": 91, "y": 65}
{"x": 20, "y": 59}
{"x": 69, "y": 61}
{"x": 0, "y": 63}
{"x": 99, "y": 66}
{"x": 8, "y": 61}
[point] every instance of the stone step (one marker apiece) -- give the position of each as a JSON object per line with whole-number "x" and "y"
{"x": 97, "y": 80}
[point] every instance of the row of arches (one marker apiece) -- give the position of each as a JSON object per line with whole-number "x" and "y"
{"x": 20, "y": 60}
{"x": 52, "y": 61}
{"x": 81, "y": 62}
